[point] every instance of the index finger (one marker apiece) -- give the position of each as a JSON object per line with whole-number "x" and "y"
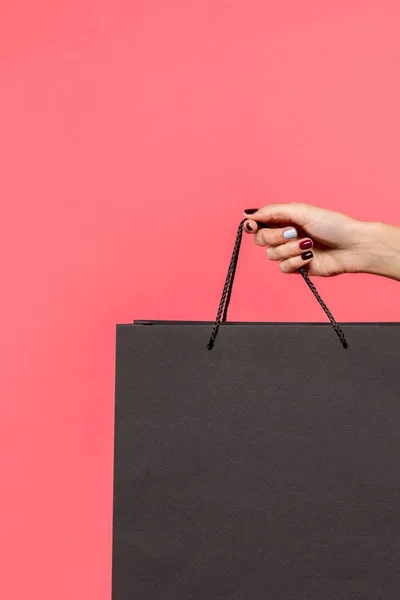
{"x": 279, "y": 214}
{"x": 251, "y": 226}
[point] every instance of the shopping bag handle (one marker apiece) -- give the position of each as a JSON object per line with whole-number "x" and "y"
{"x": 223, "y": 307}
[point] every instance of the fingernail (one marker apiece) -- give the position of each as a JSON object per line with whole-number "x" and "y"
{"x": 307, "y": 255}
{"x": 248, "y": 227}
{"x": 289, "y": 234}
{"x": 251, "y": 211}
{"x": 305, "y": 245}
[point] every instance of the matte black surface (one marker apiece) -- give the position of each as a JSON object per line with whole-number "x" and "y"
{"x": 267, "y": 469}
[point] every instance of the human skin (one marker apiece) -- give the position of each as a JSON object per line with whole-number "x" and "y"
{"x": 329, "y": 243}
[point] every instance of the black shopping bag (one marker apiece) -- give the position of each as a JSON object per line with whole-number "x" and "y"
{"x": 266, "y": 469}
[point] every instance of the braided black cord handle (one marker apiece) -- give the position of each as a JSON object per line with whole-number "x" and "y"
{"x": 336, "y": 327}
{"x": 232, "y": 269}
{"x": 228, "y": 286}
{"x": 227, "y": 290}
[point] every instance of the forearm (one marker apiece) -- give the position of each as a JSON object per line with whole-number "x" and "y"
{"x": 380, "y": 250}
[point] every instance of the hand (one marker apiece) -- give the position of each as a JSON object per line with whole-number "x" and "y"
{"x": 328, "y": 243}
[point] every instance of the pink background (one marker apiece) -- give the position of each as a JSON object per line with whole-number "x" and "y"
{"x": 132, "y": 136}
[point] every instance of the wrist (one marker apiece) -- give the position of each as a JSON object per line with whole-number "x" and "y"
{"x": 378, "y": 250}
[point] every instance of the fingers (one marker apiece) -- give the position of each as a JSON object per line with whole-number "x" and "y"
{"x": 250, "y": 226}
{"x": 269, "y": 236}
{"x": 293, "y": 213}
{"x": 283, "y": 243}
{"x": 273, "y": 215}
{"x": 275, "y": 237}
{"x": 292, "y": 255}
{"x": 291, "y": 265}
{"x": 289, "y": 250}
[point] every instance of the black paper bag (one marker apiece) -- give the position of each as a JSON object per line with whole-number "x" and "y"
{"x": 266, "y": 469}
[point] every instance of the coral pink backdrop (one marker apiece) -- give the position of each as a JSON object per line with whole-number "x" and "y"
{"x": 132, "y": 135}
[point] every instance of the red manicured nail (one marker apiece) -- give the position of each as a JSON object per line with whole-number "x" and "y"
{"x": 251, "y": 211}
{"x": 248, "y": 227}
{"x": 305, "y": 245}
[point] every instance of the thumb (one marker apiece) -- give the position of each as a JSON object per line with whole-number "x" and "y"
{"x": 280, "y": 214}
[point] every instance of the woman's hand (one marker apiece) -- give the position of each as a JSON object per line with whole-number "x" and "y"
{"x": 328, "y": 243}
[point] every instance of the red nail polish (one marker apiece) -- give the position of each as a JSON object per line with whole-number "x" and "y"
{"x": 248, "y": 227}
{"x": 251, "y": 211}
{"x": 305, "y": 245}
{"x": 307, "y": 255}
